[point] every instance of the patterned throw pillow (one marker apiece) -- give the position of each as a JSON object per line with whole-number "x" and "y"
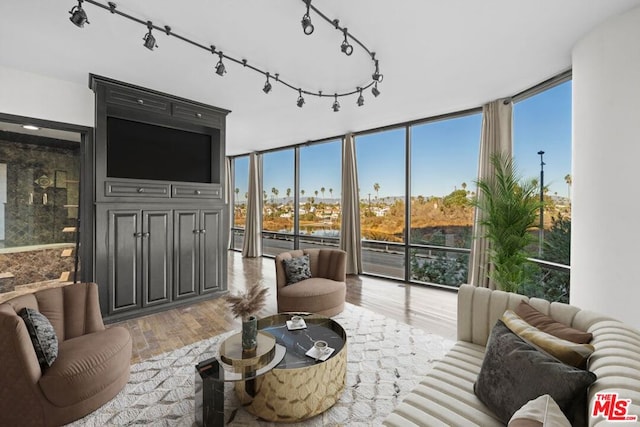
{"x": 297, "y": 269}
{"x": 43, "y": 336}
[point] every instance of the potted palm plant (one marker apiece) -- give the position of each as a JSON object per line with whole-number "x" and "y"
{"x": 510, "y": 207}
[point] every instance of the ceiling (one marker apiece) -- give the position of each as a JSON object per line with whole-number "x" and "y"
{"x": 437, "y": 57}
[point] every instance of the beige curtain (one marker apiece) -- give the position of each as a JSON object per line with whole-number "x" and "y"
{"x": 496, "y": 137}
{"x": 252, "y": 245}
{"x": 350, "y": 240}
{"x": 227, "y": 198}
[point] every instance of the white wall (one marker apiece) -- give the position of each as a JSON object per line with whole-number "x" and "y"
{"x": 605, "y": 247}
{"x": 37, "y": 96}
{"x": 3, "y": 196}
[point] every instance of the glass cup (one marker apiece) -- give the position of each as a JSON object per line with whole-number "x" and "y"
{"x": 296, "y": 321}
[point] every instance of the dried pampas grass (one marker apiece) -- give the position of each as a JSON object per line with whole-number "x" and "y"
{"x": 245, "y": 304}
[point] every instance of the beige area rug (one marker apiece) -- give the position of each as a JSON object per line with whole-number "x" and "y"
{"x": 386, "y": 359}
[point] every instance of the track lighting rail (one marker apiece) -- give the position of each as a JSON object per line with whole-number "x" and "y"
{"x": 79, "y": 18}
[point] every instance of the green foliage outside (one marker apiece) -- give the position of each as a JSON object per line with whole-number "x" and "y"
{"x": 553, "y": 285}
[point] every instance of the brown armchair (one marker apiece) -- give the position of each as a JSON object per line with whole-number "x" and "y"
{"x": 91, "y": 368}
{"x": 324, "y": 293}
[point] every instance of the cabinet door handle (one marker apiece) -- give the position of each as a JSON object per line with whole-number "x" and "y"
{"x": 140, "y": 101}
{"x": 140, "y": 190}
{"x": 197, "y": 192}
{"x": 203, "y": 231}
{"x": 138, "y": 234}
{"x": 196, "y": 231}
{"x": 199, "y": 115}
{"x": 145, "y": 234}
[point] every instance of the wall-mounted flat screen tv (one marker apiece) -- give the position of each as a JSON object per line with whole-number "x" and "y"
{"x": 143, "y": 151}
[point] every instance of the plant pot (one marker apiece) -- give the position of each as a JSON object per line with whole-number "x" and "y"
{"x": 249, "y": 333}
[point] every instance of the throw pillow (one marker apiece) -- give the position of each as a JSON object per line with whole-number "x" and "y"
{"x": 540, "y": 412}
{"x": 297, "y": 269}
{"x": 567, "y": 351}
{"x": 514, "y": 372}
{"x": 43, "y": 336}
{"x": 550, "y": 326}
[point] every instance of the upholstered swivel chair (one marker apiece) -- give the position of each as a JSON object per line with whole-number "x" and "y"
{"x": 323, "y": 293}
{"x": 92, "y": 365}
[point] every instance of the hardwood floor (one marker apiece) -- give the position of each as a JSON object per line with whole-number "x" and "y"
{"x": 433, "y": 310}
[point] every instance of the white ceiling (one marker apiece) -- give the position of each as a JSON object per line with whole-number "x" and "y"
{"x": 437, "y": 56}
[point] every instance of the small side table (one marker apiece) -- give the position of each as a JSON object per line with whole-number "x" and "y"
{"x": 234, "y": 366}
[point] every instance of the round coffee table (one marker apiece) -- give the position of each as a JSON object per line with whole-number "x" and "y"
{"x": 300, "y": 386}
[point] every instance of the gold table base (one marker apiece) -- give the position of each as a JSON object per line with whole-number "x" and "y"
{"x": 292, "y": 395}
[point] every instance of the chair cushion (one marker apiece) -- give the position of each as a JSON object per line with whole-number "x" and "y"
{"x": 314, "y": 295}
{"x": 297, "y": 269}
{"x": 86, "y": 365}
{"x": 550, "y": 326}
{"x": 514, "y": 372}
{"x": 43, "y": 336}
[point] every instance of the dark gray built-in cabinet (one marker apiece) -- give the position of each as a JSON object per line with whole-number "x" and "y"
{"x": 161, "y": 219}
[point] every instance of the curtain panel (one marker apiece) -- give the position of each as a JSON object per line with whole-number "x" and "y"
{"x": 252, "y": 245}
{"x": 496, "y": 137}
{"x": 350, "y": 236}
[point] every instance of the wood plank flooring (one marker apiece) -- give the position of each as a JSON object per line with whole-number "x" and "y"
{"x": 433, "y": 310}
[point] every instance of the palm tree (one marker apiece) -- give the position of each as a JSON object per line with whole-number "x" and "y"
{"x": 376, "y": 188}
{"x": 464, "y": 186}
{"x": 301, "y": 194}
{"x": 331, "y": 193}
{"x": 237, "y": 192}
{"x": 288, "y": 193}
{"x": 322, "y": 191}
{"x": 275, "y": 192}
{"x": 569, "y": 181}
{"x": 316, "y": 193}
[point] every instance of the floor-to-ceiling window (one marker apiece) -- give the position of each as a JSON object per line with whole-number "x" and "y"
{"x": 239, "y": 195}
{"x": 381, "y": 164}
{"x": 319, "y": 200}
{"x": 278, "y": 175}
{"x": 542, "y": 151}
{"x": 426, "y": 237}
{"x": 444, "y": 159}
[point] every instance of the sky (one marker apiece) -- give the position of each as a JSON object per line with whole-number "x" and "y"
{"x": 444, "y": 154}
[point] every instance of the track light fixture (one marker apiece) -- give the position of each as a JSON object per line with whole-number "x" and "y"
{"x": 377, "y": 77}
{"x": 149, "y": 40}
{"x": 267, "y": 85}
{"x": 345, "y": 47}
{"x": 360, "y": 101}
{"x": 374, "y": 90}
{"x": 220, "y": 68}
{"x": 336, "y": 104}
{"x": 78, "y": 15}
{"x": 307, "y": 26}
{"x": 79, "y": 18}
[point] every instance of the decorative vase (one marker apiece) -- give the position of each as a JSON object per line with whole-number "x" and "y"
{"x": 249, "y": 333}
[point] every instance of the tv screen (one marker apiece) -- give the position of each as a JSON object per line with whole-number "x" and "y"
{"x": 143, "y": 151}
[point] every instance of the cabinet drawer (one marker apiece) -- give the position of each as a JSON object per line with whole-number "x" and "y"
{"x": 197, "y": 191}
{"x": 196, "y": 114}
{"x": 137, "y": 99}
{"x": 115, "y": 189}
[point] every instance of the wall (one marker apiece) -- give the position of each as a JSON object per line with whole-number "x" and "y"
{"x": 605, "y": 245}
{"x": 37, "y": 96}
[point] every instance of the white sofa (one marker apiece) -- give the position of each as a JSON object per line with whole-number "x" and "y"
{"x": 445, "y": 396}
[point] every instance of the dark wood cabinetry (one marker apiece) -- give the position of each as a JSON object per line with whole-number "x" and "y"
{"x": 158, "y": 242}
{"x": 197, "y": 256}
